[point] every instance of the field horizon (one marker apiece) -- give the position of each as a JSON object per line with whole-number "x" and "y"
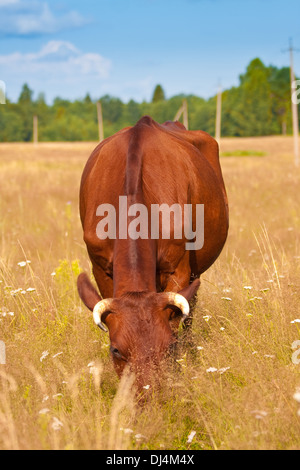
{"x": 235, "y": 384}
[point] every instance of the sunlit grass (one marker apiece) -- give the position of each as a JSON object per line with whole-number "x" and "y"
{"x": 232, "y": 385}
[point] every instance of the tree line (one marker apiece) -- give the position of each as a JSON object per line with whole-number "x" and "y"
{"x": 259, "y": 105}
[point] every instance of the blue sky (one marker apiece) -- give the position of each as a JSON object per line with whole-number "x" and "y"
{"x": 125, "y": 47}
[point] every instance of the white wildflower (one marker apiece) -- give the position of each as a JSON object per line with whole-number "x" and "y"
{"x": 226, "y": 290}
{"x": 57, "y": 354}
{"x": 56, "y": 424}
{"x": 127, "y": 430}
{"x": 226, "y": 298}
{"x": 211, "y": 369}
{"x": 191, "y": 437}
{"x": 22, "y": 264}
{"x": 207, "y": 318}
{"x": 251, "y": 252}
{"x": 44, "y": 355}
{"x": 259, "y": 414}
{"x": 223, "y": 369}
{"x": 296, "y": 395}
{"x": 44, "y": 411}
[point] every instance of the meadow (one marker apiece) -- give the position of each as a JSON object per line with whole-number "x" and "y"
{"x": 234, "y": 385}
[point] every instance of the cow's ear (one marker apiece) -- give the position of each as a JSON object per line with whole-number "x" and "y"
{"x": 87, "y": 291}
{"x": 189, "y": 291}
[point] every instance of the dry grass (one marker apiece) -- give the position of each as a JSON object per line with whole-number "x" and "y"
{"x": 233, "y": 384}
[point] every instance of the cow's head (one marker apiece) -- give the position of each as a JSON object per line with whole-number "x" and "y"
{"x": 142, "y": 325}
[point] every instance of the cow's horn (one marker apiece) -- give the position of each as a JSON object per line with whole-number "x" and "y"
{"x": 98, "y": 310}
{"x": 179, "y": 301}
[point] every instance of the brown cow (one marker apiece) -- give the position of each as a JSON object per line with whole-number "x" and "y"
{"x": 146, "y": 283}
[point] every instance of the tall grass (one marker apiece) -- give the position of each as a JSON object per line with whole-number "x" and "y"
{"x": 233, "y": 382}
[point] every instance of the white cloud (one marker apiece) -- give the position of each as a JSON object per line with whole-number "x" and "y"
{"x": 59, "y": 59}
{"x": 31, "y": 17}
{"x": 58, "y": 67}
{"x": 4, "y": 3}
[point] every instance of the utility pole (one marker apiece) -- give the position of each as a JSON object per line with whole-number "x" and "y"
{"x": 100, "y": 121}
{"x": 294, "y": 107}
{"x": 218, "y": 115}
{"x": 35, "y": 129}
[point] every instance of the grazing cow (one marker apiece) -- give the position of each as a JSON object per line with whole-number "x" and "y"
{"x": 146, "y": 282}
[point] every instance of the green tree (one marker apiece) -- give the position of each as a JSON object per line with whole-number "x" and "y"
{"x": 26, "y": 110}
{"x": 158, "y": 94}
{"x": 256, "y": 99}
{"x": 281, "y": 93}
{"x": 25, "y": 95}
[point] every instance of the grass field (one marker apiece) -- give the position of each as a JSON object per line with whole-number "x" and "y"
{"x": 234, "y": 385}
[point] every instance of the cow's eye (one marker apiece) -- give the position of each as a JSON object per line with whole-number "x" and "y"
{"x": 116, "y": 353}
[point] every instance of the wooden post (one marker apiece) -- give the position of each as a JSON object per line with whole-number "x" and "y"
{"x": 218, "y": 115}
{"x": 178, "y": 114}
{"x": 35, "y": 129}
{"x": 294, "y": 109}
{"x": 183, "y": 110}
{"x": 185, "y": 115}
{"x": 100, "y": 121}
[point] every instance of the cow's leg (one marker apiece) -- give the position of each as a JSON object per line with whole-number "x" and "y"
{"x": 104, "y": 282}
{"x": 180, "y": 278}
{"x": 187, "y": 323}
{"x": 177, "y": 281}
